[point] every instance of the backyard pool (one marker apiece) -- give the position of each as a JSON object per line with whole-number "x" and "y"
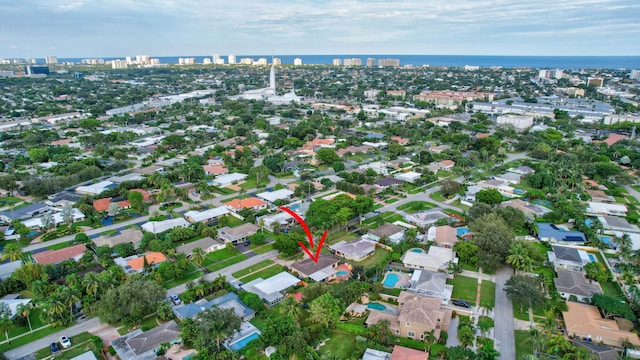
{"x": 391, "y": 280}
{"x": 461, "y": 231}
{"x": 588, "y": 222}
{"x": 592, "y": 258}
{"x": 606, "y": 240}
{"x": 419, "y": 251}
{"x": 376, "y": 306}
{"x": 295, "y": 207}
{"x": 342, "y": 273}
{"x": 243, "y": 342}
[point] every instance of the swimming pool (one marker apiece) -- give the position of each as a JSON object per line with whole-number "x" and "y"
{"x": 295, "y": 207}
{"x": 606, "y": 240}
{"x": 592, "y": 258}
{"x": 391, "y": 280}
{"x": 376, "y": 306}
{"x": 342, "y": 273}
{"x": 243, "y": 342}
{"x": 461, "y": 231}
{"x": 419, "y": 251}
{"x": 588, "y": 222}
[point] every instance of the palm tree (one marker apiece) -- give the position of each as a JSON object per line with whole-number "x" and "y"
{"x": 558, "y": 344}
{"x": 429, "y": 339}
{"x": 291, "y": 306}
{"x": 69, "y": 296}
{"x": 91, "y": 282}
{"x": 24, "y": 310}
{"x": 487, "y": 353}
{"x": 535, "y": 339}
{"x": 261, "y": 223}
{"x": 72, "y": 280}
{"x": 199, "y": 290}
{"x": 12, "y": 252}
{"x": 198, "y": 255}
{"x": 5, "y": 319}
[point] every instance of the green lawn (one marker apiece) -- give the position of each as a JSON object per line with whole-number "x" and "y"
{"x": 488, "y": 294}
{"x": 266, "y": 273}
{"x": 393, "y": 218}
{"x": 522, "y": 348}
{"x": 518, "y": 315}
{"x": 340, "y": 236}
{"x": 438, "y": 196}
{"x": 263, "y": 249}
{"x": 391, "y": 201}
{"x": 416, "y": 206}
{"x": 341, "y": 346}
{"x": 59, "y": 246}
{"x": 464, "y": 288}
{"x": 250, "y": 183}
{"x": 28, "y": 338}
{"x": 612, "y": 289}
{"x": 221, "y": 264}
{"x": 468, "y": 267}
{"x": 7, "y": 200}
{"x": 379, "y": 257}
{"x": 233, "y": 221}
{"x": 252, "y": 268}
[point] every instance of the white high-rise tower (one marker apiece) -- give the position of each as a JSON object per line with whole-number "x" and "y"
{"x": 272, "y": 77}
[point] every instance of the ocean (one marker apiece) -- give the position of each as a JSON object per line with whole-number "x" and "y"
{"x": 551, "y": 62}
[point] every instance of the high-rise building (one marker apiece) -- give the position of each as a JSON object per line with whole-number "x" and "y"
{"x": 120, "y": 64}
{"x": 246, "y": 61}
{"x": 371, "y": 62}
{"x": 352, "y": 62}
{"x": 206, "y": 61}
{"x": 337, "y": 62}
{"x": 232, "y": 59}
{"x": 36, "y": 70}
{"x": 389, "y": 62}
{"x": 51, "y": 59}
{"x": 186, "y": 61}
{"x": 635, "y": 75}
{"x": 297, "y": 62}
{"x": 276, "y": 61}
{"x": 261, "y": 61}
{"x": 596, "y": 81}
{"x": 216, "y": 58}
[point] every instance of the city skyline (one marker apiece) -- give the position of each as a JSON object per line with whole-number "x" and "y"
{"x": 81, "y": 28}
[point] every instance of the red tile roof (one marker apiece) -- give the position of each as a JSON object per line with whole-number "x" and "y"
{"x": 614, "y": 138}
{"x": 152, "y": 258}
{"x": 103, "y": 204}
{"x": 247, "y": 203}
{"x": 403, "y": 353}
{"x": 56, "y": 256}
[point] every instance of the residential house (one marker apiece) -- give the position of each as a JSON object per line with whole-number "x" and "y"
{"x": 400, "y": 140}
{"x": 7, "y": 268}
{"x": 380, "y": 167}
{"x": 104, "y": 204}
{"x": 142, "y": 345}
{"x": 392, "y": 232}
{"x": 444, "y": 236}
{"x": 125, "y": 178}
{"x": 552, "y": 233}
{"x": 568, "y": 258}
{"x": 228, "y": 179}
{"x": 215, "y": 170}
{"x": 388, "y": 182}
{"x": 324, "y": 269}
{"x": 227, "y": 301}
{"x": 437, "y": 259}
{"x": 88, "y": 355}
{"x": 282, "y": 218}
{"x": 25, "y": 212}
{"x": 273, "y": 196}
{"x": 356, "y": 250}
{"x": 405, "y": 353}
{"x": 584, "y": 321}
{"x": 426, "y": 218}
{"x": 62, "y": 199}
{"x": 35, "y": 223}
{"x": 499, "y": 185}
{"x": 157, "y": 227}
{"x": 95, "y": 189}
{"x": 526, "y": 207}
{"x": 372, "y": 354}
{"x": 13, "y": 301}
{"x": 431, "y": 284}
{"x": 237, "y": 234}
{"x": 604, "y": 209}
{"x": 573, "y": 283}
{"x": 270, "y": 290}
{"x": 522, "y": 170}
{"x": 236, "y": 205}
{"x": 74, "y": 253}
{"x": 135, "y": 263}
{"x": 133, "y": 236}
{"x": 445, "y": 165}
{"x": 615, "y": 223}
{"x": 206, "y": 216}
{"x": 416, "y": 315}
{"x": 409, "y": 176}
{"x": 508, "y": 177}
{"x": 600, "y": 196}
{"x": 207, "y": 244}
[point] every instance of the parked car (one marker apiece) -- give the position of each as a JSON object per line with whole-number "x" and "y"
{"x": 54, "y": 348}
{"x": 461, "y": 303}
{"x": 247, "y": 242}
{"x": 175, "y": 299}
{"x": 65, "y": 342}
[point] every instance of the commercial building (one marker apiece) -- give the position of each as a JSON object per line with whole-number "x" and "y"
{"x": 519, "y": 122}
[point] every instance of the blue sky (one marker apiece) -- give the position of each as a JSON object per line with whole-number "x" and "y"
{"x": 106, "y": 28}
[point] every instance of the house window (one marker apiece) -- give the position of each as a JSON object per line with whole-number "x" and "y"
{"x": 397, "y": 331}
{"x": 408, "y": 324}
{"x": 411, "y": 334}
{"x": 422, "y": 337}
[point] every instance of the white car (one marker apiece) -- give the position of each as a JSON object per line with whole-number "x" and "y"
{"x": 65, "y": 342}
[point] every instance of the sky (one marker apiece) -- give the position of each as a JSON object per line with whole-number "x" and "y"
{"x": 118, "y": 28}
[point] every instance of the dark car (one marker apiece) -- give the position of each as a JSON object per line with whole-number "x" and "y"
{"x": 247, "y": 242}
{"x": 54, "y": 348}
{"x": 461, "y": 303}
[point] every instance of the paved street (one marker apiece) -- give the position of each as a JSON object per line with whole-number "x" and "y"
{"x": 36, "y": 345}
{"x": 504, "y": 336}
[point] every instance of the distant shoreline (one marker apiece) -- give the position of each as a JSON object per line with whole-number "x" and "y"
{"x": 483, "y": 61}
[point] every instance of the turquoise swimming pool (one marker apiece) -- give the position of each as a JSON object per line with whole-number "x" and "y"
{"x": 342, "y": 273}
{"x": 391, "y": 280}
{"x": 419, "y": 251}
{"x": 592, "y": 258}
{"x": 376, "y": 306}
{"x": 243, "y": 342}
{"x": 461, "y": 231}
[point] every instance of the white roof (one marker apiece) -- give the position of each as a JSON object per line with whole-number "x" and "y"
{"x": 272, "y": 196}
{"x": 14, "y": 303}
{"x": 207, "y": 214}
{"x": 96, "y": 188}
{"x": 323, "y": 274}
{"x": 277, "y": 283}
{"x": 408, "y": 175}
{"x": 57, "y": 219}
{"x": 157, "y": 227}
{"x": 229, "y": 178}
{"x": 437, "y": 258}
{"x": 603, "y": 208}
{"x": 85, "y": 356}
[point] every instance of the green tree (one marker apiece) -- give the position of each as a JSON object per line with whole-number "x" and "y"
{"x": 215, "y": 324}
{"x": 449, "y": 187}
{"x": 125, "y": 301}
{"x": 493, "y": 238}
{"x": 525, "y": 291}
{"x": 467, "y": 252}
{"x": 164, "y": 311}
{"x": 24, "y": 310}
{"x": 5, "y": 319}
{"x": 198, "y": 255}
{"x": 251, "y": 300}
{"x": 596, "y": 271}
{"x": 381, "y": 333}
{"x": 327, "y": 156}
{"x": 610, "y": 307}
{"x": 38, "y": 155}
{"x": 489, "y": 196}
{"x": 519, "y": 257}
{"x": 12, "y": 251}
{"x": 276, "y": 328}
{"x": 466, "y": 335}
{"x": 291, "y": 306}
{"x": 314, "y": 291}
{"x": 136, "y": 199}
{"x": 325, "y": 311}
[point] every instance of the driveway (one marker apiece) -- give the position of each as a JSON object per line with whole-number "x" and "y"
{"x": 504, "y": 335}
{"x": 452, "y": 333}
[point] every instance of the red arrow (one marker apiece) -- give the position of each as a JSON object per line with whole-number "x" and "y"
{"x": 313, "y": 256}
